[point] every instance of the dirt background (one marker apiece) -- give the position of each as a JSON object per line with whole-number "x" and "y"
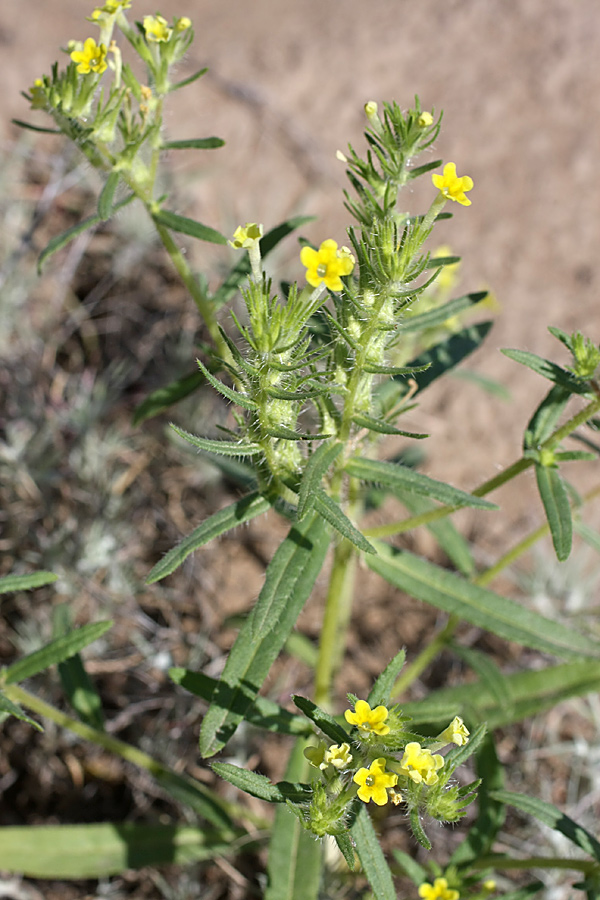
{"x": 518, "y": 83}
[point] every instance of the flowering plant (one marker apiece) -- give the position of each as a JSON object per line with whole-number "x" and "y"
{"x": 318, "y": 374}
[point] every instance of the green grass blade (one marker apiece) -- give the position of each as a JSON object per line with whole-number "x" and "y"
{"x": 441, "y": 314}
{"x": 227, "y": 448}
{"x": 371, "y": 856}
{"x": 209, "y": 143}
{"x": 532, "y": 693}
{"x": 295, "y": 858}
{"x": 331, "y": 512}
{"x": 554, "y": 818}
{"x": 242, "y": 510}
{"x": 263, "y": 713}
{"x": 259, "y": 785}
{"x": 97, "y": 851}
{"x": 481, "y": 607}
{"x": 61, "y": 240}
{"x": 76, "y": 682}
{"x": 549, "y": 370}
{"x": 382, "y": 689}
{"x": 26, "y": 582}
{"x": 183, "y": 225}
{"x": 12, "y": 709}
{"x": 555, "y": 498}
{"x": 250, "y": 660}
{"x": 55, "y": 652}
{"x": 107, "y": 195}
{"x": 316, "y": 467}
{"x": 403, "y": 478}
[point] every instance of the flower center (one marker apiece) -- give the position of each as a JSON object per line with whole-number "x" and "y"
{"x": 370, "y": 780}
{"x": 322, "y": 270}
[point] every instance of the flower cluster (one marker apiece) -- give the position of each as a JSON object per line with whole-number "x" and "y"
{"x": 382, "y": 763}
{"x": 439, "y": 890}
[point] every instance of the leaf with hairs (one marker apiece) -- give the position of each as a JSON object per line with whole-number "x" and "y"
{"x": 322, "y": 720}
{"x": 555, "y": 498}
{"x": 9, "y": 708}
{"x": 382, "y": 689}
{"x": 370, "y": 854}
{"x": 331, "y": 512}
{"x": 227, "y": 448}
{"x": 107, "y": 195}
{"x": 77, "y": 684}
{"x": 26, "y": 582}
{"x": 259, "y": 785}
{"x": 184, "y": 225}
{"x": 549, "y": 370}
{"x": 441, "y": 314}
{"x": 54, "y": 652}
{"x": 316, "y": 467}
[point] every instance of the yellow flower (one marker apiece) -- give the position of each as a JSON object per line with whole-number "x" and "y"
{"x": 367, "y": 720}
{"x": 111, "y": 8}
{"x": 489, "y": 886}
{"x": 338, "y": 756}
{"x": 419, "y": 764}
{"x": 91, "y": 59}
{"x": 316, "y": 756}
{"x": 245, "y": 236}
{"x": 183, "y": 24}
{"x": 156, "y": 29}
{"x": 456, "y": 733}
{"x": 374, "y": 782}
{"x": 425, "y": 119}
{"x": 453, "y": 187}
{"x": 439, "y": 890}
{"x": 327, "y": 264}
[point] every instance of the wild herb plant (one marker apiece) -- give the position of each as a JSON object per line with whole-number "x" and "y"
{"x": 318, "y": 374}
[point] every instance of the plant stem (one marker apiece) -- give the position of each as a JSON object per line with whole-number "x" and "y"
{"x": 130, "y": 754}
{"x": 535, "y": 862}
{"x": 339, "y": 598}
{"x": 426, "y": 656}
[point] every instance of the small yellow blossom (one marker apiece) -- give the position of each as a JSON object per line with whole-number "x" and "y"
{"x": 489, "y": 886}
{"x": 111, "y": 8}
{"x": 38, "y": 94}
{"x": 420, "y": 764}
{"x": 452, "y": 186}
{"x": 246, "y": 236}
{"x": 91, "y": 59}
{"x": 371, "y": 109}
{"x": 367, "y": 720}
{"x": 183, "y": 24}
{"x": 316, "y": 756}
{"x": 338, "y": 756}
{"x": 456, "y": 733}
{"x": 157, "y": 29}
{"x": 425, "y": 119}
{"x": 439, "y": 890}
{"x": 327, "y": 264}
{"x": 374, "y": 782}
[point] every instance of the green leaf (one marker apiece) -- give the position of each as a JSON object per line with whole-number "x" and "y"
{"x": 346, "y": 848}
{"x": 444, "y": 531}
{"x": 403, "y": 478}
{"x": 410, "y": 867}
{"x": 61, "y": 240}
{"x": 209, "y": 143}
{"x": 489, "y": 385}
{"x": 55, "y": 652}
{"x": 371, "y": 856}
{"x": 458, "y": 756}
{"x": 394, "y": 370}
{"x": 481, "y": 607}
{"x": 489, "y": 673}
{"x": 418, "y": 830}
{"x": 288, "y": 434}
{"x": 331, "y": 512}
{"x": 437, "y": 361}
{"x": 490, "y": 812}
{"x": 242, "y": 269}
{"x": 189, "y": 80}
{"x": 532, "y": 693}
{"x": 188, "y": 226}
{"x": 316, "y": 467}
{"x": 263, "y": 713}
{"x": 227, "y": 448}
{"x": 235, "y": 396}
{"x": 97, "y": 851}
{"x": 107, "y": 195}
{"x": 555, "y": 498}
{"x": 591, "y": 537}
{"x": 441, "y": 314}
{"x": 437, "y": 262}
{"x": 76, "y": 682}
{"x": 381, "y": 427}
{"x": 545, "y": 418}
{"x": 322, "y": 720}
{"x": 549, "y": 370}
{"x": 26, "y": 582}
{"x": 27, "y": 125}
{"x": 167, "y": 396}
{"x": 231, "y": 516}
{"x": 295, "y": 858}
{"x": 382, "y": 689}
{"x": 259, "y": 785}
{"x": 9, "y": 708}
{"x": 301, "y": 555}
{"x": 554, "y": 818}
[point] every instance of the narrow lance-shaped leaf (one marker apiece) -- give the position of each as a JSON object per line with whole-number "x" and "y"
{"x": 438, "y": 316}
{"x": 184, "y": 225}
{"x": 549, "y": 370}
{"x": 490, "y": 812}
{"x": 163, "y": 398}
{"x": 54, "y": 652}
{"x": 546, "y": 417}
{"x": 554, "y": 818}
{"x": 382, "y": 427}
{"x": 484, "y": 666}
{"x": 555, "y": 498}
{"x": 26, "y": 582}
{"x": 209, "y": 143}
{"x": 227, "y": 448}
{"x": 77, "y": 684}
{"x": 316, "y": 467}
{"x": 406, "y": 479}
{"x": 322, "y": 720}
{"x": 479, "y": 606}
{"x": 295, "y": 858}
{"x": 234, "y": 396}
{"x": 331, "y": 512}
{"x": 242, "y": 510}
{"x": 12, "y": 709}
{"x": 446, "y": 534}
{"x": 259, "y": 785}
{"x": 371, "y": 856}
{"x": 382, "y": 689}
{"x": 251, "y": 657}
{"x": 107, "y": 194}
